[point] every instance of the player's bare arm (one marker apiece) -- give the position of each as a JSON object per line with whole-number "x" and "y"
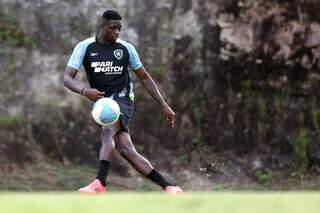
{"x": 153, "y": 90}
{"x": 76, "y": 86}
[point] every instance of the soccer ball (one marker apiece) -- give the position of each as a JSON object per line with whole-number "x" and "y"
{"x": 105, "y": 111}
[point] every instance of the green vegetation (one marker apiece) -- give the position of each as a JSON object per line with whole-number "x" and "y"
{"x": 160, "y": 202}
{"x": 11, "y": 34}
{"x": 218, "y": 187}
{"x": 300, "y": 144}
{"x": 45, "y": 176}
{"x": 11, "y": 120}
{"x": 145, "y": 187}
{"x": 184, "y": 160}
{"x": 197, "y": 114}
{"x": 264, "y": 177}
{"x": 280, "y": 101}
{"x": 247, "y": 85}
{"x": 315, "y": 113}
{"x": 231, "y": 100}
{"x": 262, "y": 122}
{"x": 158, "y": 72}
{"x": 8, "y": 77}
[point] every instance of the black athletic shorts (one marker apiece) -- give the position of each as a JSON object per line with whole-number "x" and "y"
{"x": 126, "y": 112}
{"x": 126, "y": 109}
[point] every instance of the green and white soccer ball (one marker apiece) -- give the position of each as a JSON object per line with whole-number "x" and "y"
{"x": 105, "y": 111}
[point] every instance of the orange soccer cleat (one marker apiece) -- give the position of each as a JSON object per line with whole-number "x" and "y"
{"x": 173, "y": 190}
{"x": 93, "y": 188}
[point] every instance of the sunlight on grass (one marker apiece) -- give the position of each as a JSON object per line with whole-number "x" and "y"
{"x": 159, "y": 202}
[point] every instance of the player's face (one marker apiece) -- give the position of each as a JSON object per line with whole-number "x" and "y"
{"x": 111, "y": 30}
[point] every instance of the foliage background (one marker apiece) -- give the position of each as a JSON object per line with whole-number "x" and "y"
{"x": 241, "y": 75}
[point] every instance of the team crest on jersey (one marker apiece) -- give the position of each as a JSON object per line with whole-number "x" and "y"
{"x": 118, "y": 54}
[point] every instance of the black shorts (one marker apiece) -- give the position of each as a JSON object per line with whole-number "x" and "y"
{"x": 126, "y": 109}
{"x": 126, "y": 112}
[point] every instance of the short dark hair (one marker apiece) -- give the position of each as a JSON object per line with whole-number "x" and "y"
{"x": 111, "y": 15}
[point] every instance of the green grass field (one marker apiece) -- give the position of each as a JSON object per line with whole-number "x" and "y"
{"x": 233, "y": 202}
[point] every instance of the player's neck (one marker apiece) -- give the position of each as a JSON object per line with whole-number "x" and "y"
{"x": 102, "y": 40}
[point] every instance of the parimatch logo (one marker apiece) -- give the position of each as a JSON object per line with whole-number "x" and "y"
{"x": 106, "y": 67}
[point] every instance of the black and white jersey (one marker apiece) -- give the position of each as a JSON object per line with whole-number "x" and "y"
{"x": 106, "y": 66}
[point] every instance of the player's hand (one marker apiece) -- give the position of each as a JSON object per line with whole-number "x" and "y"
{"x": 169, "y": 115}
{"x": 93, "y": 94}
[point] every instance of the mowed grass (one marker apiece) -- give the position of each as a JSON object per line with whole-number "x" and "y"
{"x": 159, "y": 202}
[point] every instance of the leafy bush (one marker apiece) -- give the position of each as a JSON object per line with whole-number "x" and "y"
{"x": 263, "y": 177}
{"x": 11, "y": 34}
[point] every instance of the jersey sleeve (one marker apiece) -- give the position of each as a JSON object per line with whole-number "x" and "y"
{"x": 134, "y": 60}
{"x": 77, "y": 56}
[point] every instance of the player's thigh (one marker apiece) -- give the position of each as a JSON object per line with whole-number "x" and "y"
{"x": 108, "y": 132}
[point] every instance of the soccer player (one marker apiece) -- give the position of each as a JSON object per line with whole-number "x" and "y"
{"x": 106, "y": 59}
